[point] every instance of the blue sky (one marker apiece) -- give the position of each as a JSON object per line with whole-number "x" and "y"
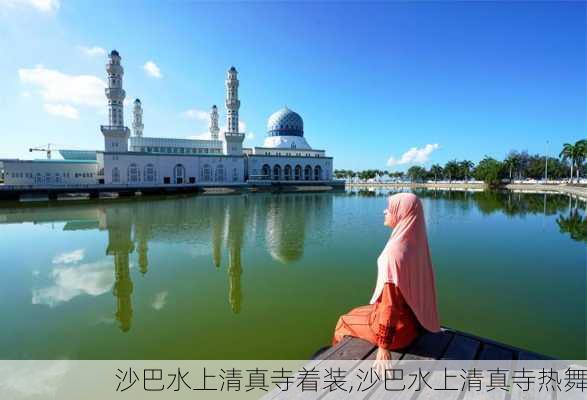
{"x": 413, "y": 82}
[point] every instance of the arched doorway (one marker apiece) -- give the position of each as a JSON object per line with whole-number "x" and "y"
{"x": 179, "y": 174}
{"x": 266, "y": 171}
{"x": 219, "y": 175}
{"x": 307, "y": 173}
{"x": 115, "y": 175}
{"x": 150, "y": 173}
{"x": 277, "y": 172}
{"x": 318, "y": 173}
{"x": 287, "y": 172}
{"x": 298, "y": 173}
{"x": 206, "y": 173}
{"x": 133, "y": 173}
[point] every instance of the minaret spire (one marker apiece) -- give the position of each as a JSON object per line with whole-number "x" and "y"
{"x": 233, "y": 139}
{"x": 115, "y": 133}
{"x": 114, "y": 92}
{"x": 137, "y": 119}
{"x": 232, "y": 101}
{"x": 214, "y": 129}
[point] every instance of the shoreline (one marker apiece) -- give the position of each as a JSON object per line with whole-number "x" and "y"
{"x": 575, "y": 190}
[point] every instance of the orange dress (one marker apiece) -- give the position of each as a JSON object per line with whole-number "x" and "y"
{"x": 388, "y": 323}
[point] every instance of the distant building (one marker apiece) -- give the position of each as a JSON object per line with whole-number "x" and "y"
{"x": 138, "y": 160}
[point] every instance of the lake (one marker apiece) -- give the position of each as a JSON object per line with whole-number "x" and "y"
{"x": 266, "y": 276}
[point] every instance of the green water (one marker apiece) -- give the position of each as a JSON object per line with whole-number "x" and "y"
{"x": 266, "y": 276}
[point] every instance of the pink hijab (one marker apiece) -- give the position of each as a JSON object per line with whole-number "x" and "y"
{"x": 405, "y": 260}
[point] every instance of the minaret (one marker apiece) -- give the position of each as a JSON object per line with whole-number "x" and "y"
{"x": 232, "y": 101}
{"x": 115, "y": 133}
{"x": 233, "y": 140}
{"x": 214, "y": 129}
{"x": 137, "y": 119}
{"x": 120, "y": 246}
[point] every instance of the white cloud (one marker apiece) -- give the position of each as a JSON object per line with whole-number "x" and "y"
{"x": 92, "y": 51}
{"x": 62, "y": 110}
{"x": 48, "y": 6}
{"x": 152, "y": 69}
{"x": 194, "y": 113}
{"x": 72, "y": 257}
{"x": 250, "y": 136}
{"x": 160, "y": 300}
{"x": 55, "y": 86}
{"x": 91, "y": 279}
{"x": 45, "y": 6}
{"x": 414, "y": 155}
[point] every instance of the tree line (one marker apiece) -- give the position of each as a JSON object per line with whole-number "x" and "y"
{"x": 516, "y": 165}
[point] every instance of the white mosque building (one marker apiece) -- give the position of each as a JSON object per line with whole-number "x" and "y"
{"x": 143, "y": 161}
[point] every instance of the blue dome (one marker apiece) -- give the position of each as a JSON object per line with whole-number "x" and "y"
{"x": 285, "y": 122}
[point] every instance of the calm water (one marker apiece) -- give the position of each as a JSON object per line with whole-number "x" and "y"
{"x": 266, "y": 276}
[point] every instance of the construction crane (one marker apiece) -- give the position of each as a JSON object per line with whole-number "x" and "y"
{"x": 46, "y": 150}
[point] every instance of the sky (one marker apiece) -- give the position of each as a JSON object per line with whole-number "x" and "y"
{"x": 383, "y": 85}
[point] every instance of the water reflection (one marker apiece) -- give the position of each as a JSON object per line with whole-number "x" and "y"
{"x": 120, "y": 246}
{"x": 574, "y": 224}
{"x": 210, "y": 226}
{"x": 571, "y": 209}
{"x": 222, "y": 228}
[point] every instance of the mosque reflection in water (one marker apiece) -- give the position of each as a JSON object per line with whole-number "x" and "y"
{"x": 276, "y": 225}
{"x": 219, "y": 223}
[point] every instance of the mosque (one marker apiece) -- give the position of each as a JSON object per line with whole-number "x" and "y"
{"x": 143, "y": 161}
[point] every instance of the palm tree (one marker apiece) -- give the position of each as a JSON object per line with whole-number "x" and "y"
{"x": 574, "y": 224}
{"x": 451, "y": 168}
{"x": 436, "y": 170}
{"x": 581, "y": 146}
{"x": 511, "y": 162}
{"x": 466, "y": 165}
{"x": 574, "y": 153}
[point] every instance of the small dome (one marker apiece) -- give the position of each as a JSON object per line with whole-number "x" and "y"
{"x": 285, "y": 122}
{"x": 137, "y": 101}
{"x": 233, "y": 69}
{"x": 114, "y": 53}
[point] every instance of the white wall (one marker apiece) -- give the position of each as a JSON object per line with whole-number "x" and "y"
{"x": 151, "y": 169}
{"x": 50, "y": 173}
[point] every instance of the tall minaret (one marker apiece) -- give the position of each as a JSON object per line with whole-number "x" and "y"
{"x": 232, "y": 101}
{"x": 214, "y": 129}
{"x": 115, "y": 133}
{"x": 233, "y": 139}
{"x": 137, "y": 119}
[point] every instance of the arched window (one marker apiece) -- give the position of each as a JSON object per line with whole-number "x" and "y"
{"x": 219, "y": 173}
{"x": 287, "y": 172}
{"x": 150, "y": 173}
{"x": 206, "y": 174}
{"x": 115, "y": 175}
{"x": 318, "y": 173}
{"x": 179, "y": 174}
{"x": 133, "y": 173}
{"x": 234, "y": 175}
{"x": 307, "y": 173}
{"x": 277, "y": 172}
{"x": 298, "y": 173}
{"x": 266, "y": 172}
